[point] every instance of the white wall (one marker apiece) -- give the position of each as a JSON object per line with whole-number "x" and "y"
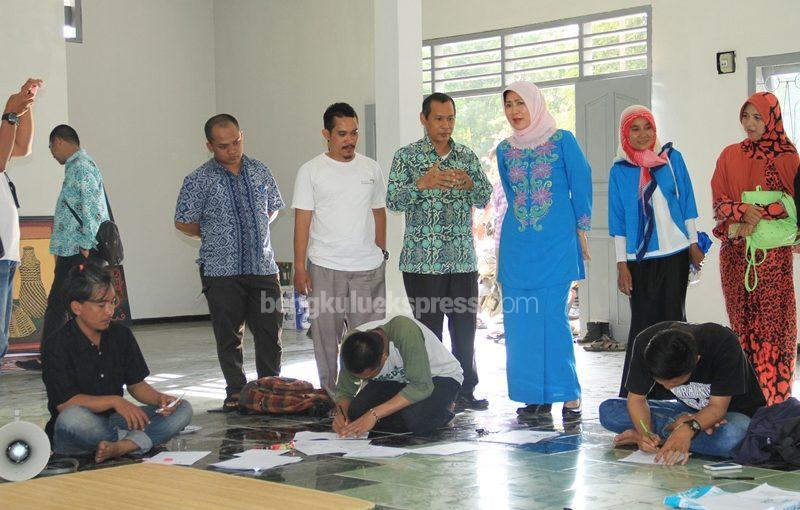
{"x": 141, "y": 85}
{"x": 693, "y": 105}
{"x": 444, "y": 18}
{"x": 697, "y": 108}
{"x": 150, "y": 73}
{"x": 33, "y": 46}
{"x": 278, "y": 66}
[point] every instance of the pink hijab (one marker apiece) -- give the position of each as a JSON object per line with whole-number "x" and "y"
{"x": 542, "y": 126}
{"x": 644, "y": 159}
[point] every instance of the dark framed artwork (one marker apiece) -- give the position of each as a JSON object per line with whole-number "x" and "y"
{"x": 32, "y": 283}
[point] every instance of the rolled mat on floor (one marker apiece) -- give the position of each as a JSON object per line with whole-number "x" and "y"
{"x": 158, "y": 487}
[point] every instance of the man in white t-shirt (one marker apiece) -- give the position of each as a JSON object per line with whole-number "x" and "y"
{"x": 16, "y": 136}
{"x": 339, "y": 239}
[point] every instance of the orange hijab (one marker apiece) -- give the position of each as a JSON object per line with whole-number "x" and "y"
{"x": 774, "y": 141}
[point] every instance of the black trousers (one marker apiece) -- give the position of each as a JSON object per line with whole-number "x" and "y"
{"x": 421, "y": 417}
{"x": 56, "y": 314}
{"x": 432, "y": 296}
{"x": 234, "y": 301}
{"x": 659, "y": 294}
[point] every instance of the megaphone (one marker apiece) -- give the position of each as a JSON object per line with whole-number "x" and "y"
{"x": 24, "y": 451}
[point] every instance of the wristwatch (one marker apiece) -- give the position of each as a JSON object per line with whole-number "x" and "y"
{"x": 11, "y": 117}
{"x": 385, "y": 255}
{"x": 695, "y": 426}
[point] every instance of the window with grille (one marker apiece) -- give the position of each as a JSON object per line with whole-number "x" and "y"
{"x": 550, "y": 54}
{"x": 779, "y": 74}
{"x": 73, "y": 30}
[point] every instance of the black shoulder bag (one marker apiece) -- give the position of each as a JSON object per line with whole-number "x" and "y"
{"x": 109, "y": 243}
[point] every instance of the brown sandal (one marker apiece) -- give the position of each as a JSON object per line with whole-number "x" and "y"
{"x": 605, "y": 344}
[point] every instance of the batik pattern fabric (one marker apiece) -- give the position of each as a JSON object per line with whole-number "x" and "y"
{"x": 82, "y": 190}
{"x": 233, "y": 212}
{"x": 765, "y": 318}
{"x": 438, "y": 237}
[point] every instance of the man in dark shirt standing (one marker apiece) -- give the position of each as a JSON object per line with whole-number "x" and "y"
{"x": 716, "y": 388}
{"x": 84, "y": 369}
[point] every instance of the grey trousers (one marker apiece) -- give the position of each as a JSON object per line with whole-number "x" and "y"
{"x": 341, "y": 300}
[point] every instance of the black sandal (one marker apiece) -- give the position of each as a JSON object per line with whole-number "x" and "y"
{"x": 230, "y": 405}
{"x": 532, "y": 409}
{"x": 572, "y": 412}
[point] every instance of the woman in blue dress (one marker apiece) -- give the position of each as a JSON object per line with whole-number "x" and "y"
{"x": 548, "y": 185}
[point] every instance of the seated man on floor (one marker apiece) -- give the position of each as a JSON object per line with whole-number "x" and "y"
{"x": 408, "y": 378}
{"x": 716, "y": 388}
{"x": 85, "y": 365}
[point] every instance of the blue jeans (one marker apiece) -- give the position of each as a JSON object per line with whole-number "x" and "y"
{"x": 614, "y": 416}
{"x": 7, "y": 269}
{"x": 78, "y": 430}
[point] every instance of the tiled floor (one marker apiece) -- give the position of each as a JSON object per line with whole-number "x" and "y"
{"x": 576, "y": 470}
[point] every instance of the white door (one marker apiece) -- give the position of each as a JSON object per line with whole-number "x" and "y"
{"x": 598, "y": 105}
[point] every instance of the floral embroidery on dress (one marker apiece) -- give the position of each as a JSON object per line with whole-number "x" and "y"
{"x": 546, "y": 149}
{"x": 530, "y": 172}
{"x": 543, "y": 171}
{"x": 585, "y": 222}
{"x": 516, "y": 174}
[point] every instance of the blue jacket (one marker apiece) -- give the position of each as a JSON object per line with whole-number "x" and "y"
{"x": 623, "y": 195}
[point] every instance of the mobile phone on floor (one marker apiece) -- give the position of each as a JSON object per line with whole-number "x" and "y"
{"x": 722, "y": 466}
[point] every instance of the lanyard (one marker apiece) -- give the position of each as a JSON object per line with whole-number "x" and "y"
{"x": 13, "y": 190}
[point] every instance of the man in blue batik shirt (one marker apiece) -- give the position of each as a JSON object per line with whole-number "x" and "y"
{"x": 80, "y": 209}
{"x": 228, "y": 203}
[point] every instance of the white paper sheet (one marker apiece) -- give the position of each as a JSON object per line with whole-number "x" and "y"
{"x": 763, "y": 497}
{"x": 177, "y": 458}
{"x": 255, "y": 462}
{"x": 260, "y": 452}
{"x": 640, "y": 457}
{"x": 312, "y": 436}
{"x": 520, "y": 436}
{"x": 190, "y": 429}
{"x": 377, "y": 451}
{"x": 330, "y": 446}
{"x": 445, "y": 449}
{"x": 317, "y": 436}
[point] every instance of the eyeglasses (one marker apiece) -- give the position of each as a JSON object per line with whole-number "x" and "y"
{"x": 105, "y": 302}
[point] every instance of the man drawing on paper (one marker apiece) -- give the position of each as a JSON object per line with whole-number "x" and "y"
{"x": 408, "y": 379}
{"x": 716, "y": 389}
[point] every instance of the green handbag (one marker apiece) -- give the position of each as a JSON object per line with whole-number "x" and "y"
{"x": 768, "y": 234}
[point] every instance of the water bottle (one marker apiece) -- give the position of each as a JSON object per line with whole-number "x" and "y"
{"x": 704, "y": 243}
{"x": 694, "y": 275}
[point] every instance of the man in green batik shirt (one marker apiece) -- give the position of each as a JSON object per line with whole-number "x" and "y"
{"x": 436, "y": 183}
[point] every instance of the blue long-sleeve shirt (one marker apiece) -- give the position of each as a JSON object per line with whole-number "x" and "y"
{"x": 675, "y": 185}
{"x": 549, "y": 193}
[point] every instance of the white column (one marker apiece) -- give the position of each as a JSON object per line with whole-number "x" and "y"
{"x": 398, "y": 101}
